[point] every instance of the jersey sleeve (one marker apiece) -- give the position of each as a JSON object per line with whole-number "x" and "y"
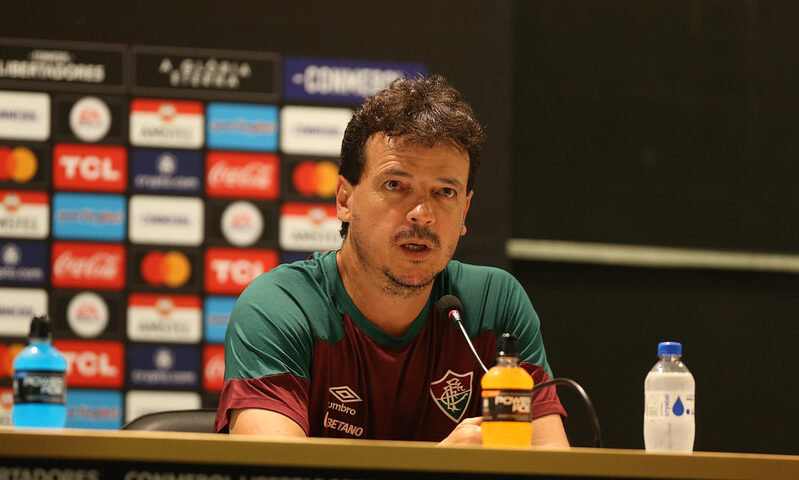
{"x": 519, "y": 318}
{"x": 268, "y": 349}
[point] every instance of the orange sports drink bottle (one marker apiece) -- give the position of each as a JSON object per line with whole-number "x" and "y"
{"x": 507, "y": 390}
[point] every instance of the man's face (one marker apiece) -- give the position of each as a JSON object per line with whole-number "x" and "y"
{"x": 407, "y": 212}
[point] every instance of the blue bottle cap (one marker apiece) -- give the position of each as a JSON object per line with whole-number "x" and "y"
{"x": 669, "y": 348}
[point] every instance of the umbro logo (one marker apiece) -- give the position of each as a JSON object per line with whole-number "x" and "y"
{"x": 344, "y": 394}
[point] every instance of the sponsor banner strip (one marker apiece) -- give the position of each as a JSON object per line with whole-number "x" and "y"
{"x": 205, "y": 73}
{"x": 64, "y": 66}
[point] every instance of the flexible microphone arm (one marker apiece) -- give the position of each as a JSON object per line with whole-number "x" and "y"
{"x": 451, "y": 306}
{"x": 455, "y": 316}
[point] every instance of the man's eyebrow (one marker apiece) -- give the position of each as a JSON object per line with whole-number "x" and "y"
{"x": 396, "y": 172}
{"x": 451, "y": 181}
{"x": 402, "y": 173}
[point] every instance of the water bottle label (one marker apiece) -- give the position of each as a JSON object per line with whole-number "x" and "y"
{"x": 669, "y": 404}
{"x": 507, "y": 405}
{"x": 39, "y": 386}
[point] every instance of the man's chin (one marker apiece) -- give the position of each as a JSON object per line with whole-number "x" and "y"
{"x": 410, "y": 282}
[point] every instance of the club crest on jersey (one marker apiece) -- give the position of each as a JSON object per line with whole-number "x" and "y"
{"x": 452, "y": 393}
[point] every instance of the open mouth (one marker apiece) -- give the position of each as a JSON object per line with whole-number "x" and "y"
{"x": 415, "y": 247}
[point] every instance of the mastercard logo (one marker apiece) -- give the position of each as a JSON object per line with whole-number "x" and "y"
{"x": 17, "y": 164}
{"x": 315, "y": 178}
{"x": 171, "y": 269}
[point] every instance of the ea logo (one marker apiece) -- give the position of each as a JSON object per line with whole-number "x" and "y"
{"x": 315, "y": 178}
{"x": 90, "y": 119}
{"x": 171, "y": 269}
{"x": 18, "y": 164}
{"x": 87, "y": 314}
{"x": 242, "y": 223}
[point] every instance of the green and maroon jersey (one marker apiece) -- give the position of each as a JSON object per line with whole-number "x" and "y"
{"x": 297, "y": 345}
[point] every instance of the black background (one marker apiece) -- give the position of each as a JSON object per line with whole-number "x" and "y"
{"x": 659, "y": 122}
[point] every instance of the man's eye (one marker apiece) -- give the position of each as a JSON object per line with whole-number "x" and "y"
{"x": 449, "y": 192}
{"x": 392, "y": 185}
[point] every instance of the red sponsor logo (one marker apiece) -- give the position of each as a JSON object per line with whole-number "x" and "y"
{"x": 90, "y": 167}
{"x": 88, "y": 265}
{"x": 93, "y": 364}
{"x": 242, "y": 175}
{"x": 213, "y": 367}
{"x": 230, "y": 270}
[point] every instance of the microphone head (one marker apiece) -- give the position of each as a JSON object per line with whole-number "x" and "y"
{"x": 448, "y": 303}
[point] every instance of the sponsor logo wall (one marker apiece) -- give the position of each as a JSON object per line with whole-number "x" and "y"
{"x": 142, "y": 189}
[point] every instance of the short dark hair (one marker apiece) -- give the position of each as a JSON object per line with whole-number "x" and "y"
{"x": 423, "y": 110}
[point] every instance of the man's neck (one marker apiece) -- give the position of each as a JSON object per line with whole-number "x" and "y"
{"x": 391, "y": 313}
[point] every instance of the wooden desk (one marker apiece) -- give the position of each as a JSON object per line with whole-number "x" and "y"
{"x": 130, "y": 455}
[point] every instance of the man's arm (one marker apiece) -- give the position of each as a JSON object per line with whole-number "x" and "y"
{"x": 548, "y": 432}
{"x": 257, "y": 421}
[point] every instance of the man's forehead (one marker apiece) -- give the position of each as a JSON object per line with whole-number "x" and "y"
{"x": 381, "y": 145}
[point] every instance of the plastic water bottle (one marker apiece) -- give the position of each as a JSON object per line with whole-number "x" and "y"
{"x": 40, "y": 385}
{"x": 669, "y": 403}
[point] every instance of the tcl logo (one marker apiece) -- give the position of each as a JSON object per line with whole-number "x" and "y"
{"x": 100, "y": 168}
{"x": 93, "y": 364}
{"x": 88, "y": 265}
{"x": 213, "y": 367}
{"x": 230, "y": 270}
{"x": 242, "y": 175}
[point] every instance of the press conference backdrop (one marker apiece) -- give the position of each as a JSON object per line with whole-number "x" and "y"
{"x": 156, "y": 156}
{"x": 668, "y": 124}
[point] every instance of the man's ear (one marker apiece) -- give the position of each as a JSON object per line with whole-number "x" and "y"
{"x": 465, "y": 211}
{"x": 343, "y": 195}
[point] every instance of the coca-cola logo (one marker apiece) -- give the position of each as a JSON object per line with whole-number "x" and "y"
{"x": 252, "y": 175}
{"x": 239, "y": 174}
{"x": 88, "y": 265}
{"x": 98, "y": 266}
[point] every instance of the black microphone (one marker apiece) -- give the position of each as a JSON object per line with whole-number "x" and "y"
{"x": 451, "y": 307}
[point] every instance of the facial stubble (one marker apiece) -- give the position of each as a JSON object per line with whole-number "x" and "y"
{"x": 391, "y": 284}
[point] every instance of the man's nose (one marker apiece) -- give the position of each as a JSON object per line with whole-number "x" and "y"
{"x": 422, "y": 212}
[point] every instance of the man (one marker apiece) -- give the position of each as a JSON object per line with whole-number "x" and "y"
{"x": 348, "y": 343}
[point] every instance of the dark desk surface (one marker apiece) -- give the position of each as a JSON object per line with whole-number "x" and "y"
{"x": 91, "y": 455}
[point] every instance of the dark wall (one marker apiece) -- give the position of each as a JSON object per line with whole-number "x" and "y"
{"x": 471, "y": 50}
{"x": 667, "y": 123}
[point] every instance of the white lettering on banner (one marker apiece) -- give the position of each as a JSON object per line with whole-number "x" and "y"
{"x": 90, "y": 167}
{"x": 240, "y": 272}
{"x": 99, "y": 266}
{"x": 90, "y": 364}
{"x": 253, "y": 175}
{"x": 345, "y": 80}
{"x": 209, "y": 73}
{"x": 53, "y": 65}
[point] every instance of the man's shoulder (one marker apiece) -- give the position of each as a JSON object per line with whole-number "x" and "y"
{"x": 293, "y": 279}
{"x": 289, "y": 294}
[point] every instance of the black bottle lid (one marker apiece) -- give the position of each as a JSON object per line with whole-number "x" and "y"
{"x": 508, "y": 345}
{"x": 41, "y": 327}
